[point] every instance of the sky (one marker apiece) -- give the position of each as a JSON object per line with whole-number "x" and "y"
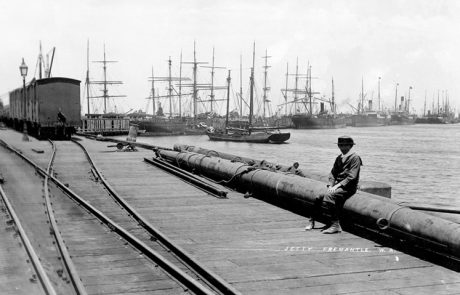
{"x": 413, "y": 43}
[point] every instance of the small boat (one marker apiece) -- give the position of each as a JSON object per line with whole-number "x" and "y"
{"x": 246, "y": 135}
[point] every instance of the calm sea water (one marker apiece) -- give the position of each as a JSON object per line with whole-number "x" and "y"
{"x": 420, "y": 162}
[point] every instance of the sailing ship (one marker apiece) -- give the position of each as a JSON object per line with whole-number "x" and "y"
{"x": 176, "y": 122}
{"x": 267, "y": 119}
{"x": 439, "y": 115}
{"x": 158, "y": 123}
{"x": 109, "y": 122}
{"x": 250, "y": 134}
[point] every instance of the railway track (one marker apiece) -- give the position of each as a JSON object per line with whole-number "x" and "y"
{"x": 99, "y": 203}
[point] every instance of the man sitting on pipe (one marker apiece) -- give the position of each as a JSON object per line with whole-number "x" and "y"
{"x": 343, "y": 183}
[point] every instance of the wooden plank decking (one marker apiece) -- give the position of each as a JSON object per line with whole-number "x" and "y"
{"x": 260, "y": 248}
{"x": 257, "y": 247}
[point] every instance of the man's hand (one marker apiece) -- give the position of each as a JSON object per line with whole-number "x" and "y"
{"x": 332, "y": 189}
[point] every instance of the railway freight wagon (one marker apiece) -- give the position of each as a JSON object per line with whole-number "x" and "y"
{"x": 51, "y": 108}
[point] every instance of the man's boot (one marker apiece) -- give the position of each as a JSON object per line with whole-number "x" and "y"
{"x": 333, "y": 229}
{"x": 310, "y": 224}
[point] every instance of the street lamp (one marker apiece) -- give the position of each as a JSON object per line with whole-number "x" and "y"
{"x": 23, "y": 69}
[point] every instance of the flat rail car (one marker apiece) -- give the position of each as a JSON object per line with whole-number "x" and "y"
{"x": 50, "y": 108}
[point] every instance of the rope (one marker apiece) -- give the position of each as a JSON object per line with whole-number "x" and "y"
{"x": 237, "y": 174}
{"x": 237, "y": 159}
{"x": 212, "y": 151}
{"x": 177, "y": 158}
{"x": 388, "y": 219}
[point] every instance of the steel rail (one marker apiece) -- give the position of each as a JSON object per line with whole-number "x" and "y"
{"x": 188, "y": 177}
{"x": 43, "y": 277}
{"x": 67, "y": 260}
{"x": 220, "y": 284}
{"x": 187, "y": 281}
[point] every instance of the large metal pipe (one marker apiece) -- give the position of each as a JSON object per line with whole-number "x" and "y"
{"x": 372, "y": 187}
{"x": 371, "y": 211}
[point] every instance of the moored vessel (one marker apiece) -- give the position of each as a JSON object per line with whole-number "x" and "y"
{"x": 365, "y": 115}
{"x": 320, "y": 121}
{"x": 248, "y": 134}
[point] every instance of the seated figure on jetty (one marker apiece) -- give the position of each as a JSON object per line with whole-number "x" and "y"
{"x": 343, "y": 183}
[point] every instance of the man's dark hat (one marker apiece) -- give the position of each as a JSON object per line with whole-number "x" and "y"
{"x": 344, "y": 140}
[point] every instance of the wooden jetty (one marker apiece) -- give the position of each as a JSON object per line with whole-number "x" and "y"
{"x": 257, "y": 247}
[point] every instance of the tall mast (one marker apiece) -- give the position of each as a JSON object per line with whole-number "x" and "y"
{"x": 153, "y": 94}
{"x": 438, "y": 103}
{"x": 194, "y": 85}
{"x": 87, "y": 74}
{"x": 228, "y": 101}
{"x": 170, "y": 88}
{"x": 333, "y": 100}
{"x": 309, "y": 88}
{"x": 286, "y": 89}
{"x": 170, "y": 79}
{"x": 251, "y": 94}
{"x": 212, "y": 87}
{"x": 241, "y": 85}
{"x": 180, "y": 86}
{"x": 296, "y": 84}
{"x": 408, "y": 100}
{"x": 40, "y": 61}
{"x": 362, "y": 94}
{"x": 424, "y": 105}
{"x": 195, "y": 91}
{"x": 105, "y": 91}
{"x": 266, "y": 89}
{"x": 379, "y": 93}
{"x": 447, "y": 103}
{"x": 212, "y": 79}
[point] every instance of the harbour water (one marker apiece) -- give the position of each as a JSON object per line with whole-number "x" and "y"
{"x": 420, "y": 162}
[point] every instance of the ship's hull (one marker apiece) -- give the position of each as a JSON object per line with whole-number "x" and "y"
{"x": 313, "y": 122}
{"x": 363, "y": 120}
{"x": 401, "y": 119}
{"x": 254, "y": 137}
{"x": 430, "y": 120}
{"x": 272, "y": 122}
{"x": 167, "y": 126}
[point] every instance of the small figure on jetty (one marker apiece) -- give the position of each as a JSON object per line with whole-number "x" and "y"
{"x": 61, "y": 117}
{"x": 343, "y": 183}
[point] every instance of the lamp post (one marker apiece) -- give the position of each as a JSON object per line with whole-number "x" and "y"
{"x": 23, "y": 69}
